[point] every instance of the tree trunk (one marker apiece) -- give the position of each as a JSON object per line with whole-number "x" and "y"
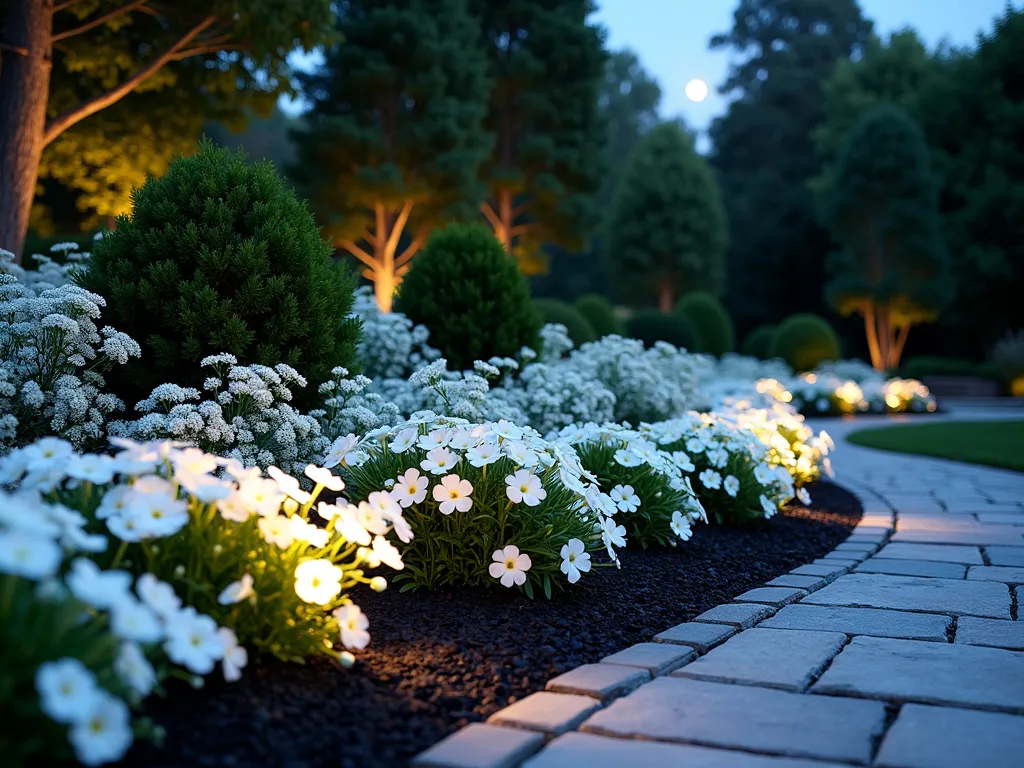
{"x": 666, "y": 294}
{"x": 896, "y": 352}
{"x": 24, "y": 88}
{"x": 505, "y": 216}
{"x": 871, "y": 331}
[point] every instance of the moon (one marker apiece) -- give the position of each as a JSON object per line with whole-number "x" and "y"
{"x": 696, "y": 90}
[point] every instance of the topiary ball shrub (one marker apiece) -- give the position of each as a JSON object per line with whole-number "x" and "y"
{"x": 220, "y": 256}
{"x": 601, "y": 315}
{"x": 804, "y": 341}
{"x": 758, "y": 342}
{"x": 713, "y": 323}
{"x": 650, "y": 325}
{"x": 554, "y": 311}
{"x": 471, "y": 296}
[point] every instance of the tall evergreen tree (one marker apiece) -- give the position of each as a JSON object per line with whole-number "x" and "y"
{"x": 667, "y": 231}
{"x": 395, "y": 138}
{"x": 763, "y": 153}
{"x": 546, "y": 63}
{"x": 65, "y": 60}
{"x": 892, "y": 267}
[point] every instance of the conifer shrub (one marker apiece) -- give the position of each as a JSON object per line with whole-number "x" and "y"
{"x": 804, "y": 341}
{"x": 555, "y": 311}
{"x": 758, "y": 343}
{"x": 220, "y": 256}
{"x": 713, "y": 323}
{"x": 650, "y": 325}
{"x": 471, "y": 296}
{"x": 601, "y": 315}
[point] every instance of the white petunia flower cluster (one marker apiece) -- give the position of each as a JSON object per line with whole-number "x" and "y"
{"x": 52, "y": 357}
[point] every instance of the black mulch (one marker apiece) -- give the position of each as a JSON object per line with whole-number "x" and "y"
{"x": 439, "y": 661}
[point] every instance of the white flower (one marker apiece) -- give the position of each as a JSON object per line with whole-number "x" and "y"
{"x": 289, "y": 485}
{"x": 388, "y": 553}
{"x": 154, "y": 509}
{"x": 453, "y": 494}
{"x": 27, "y": 555}
{"x": 768, "y": 506}
{"x": 575, "y": 560}
{"x": 131, "y": 619}
{"x": 99, "y": 589}
{"x": 317, "y": 581}
{"x": 353, "y": 626}
{"x": 261, "y": 495}
{"x": 104, "y": 734}
{"x": 694, "y": 445}
{"x": 91, "y": 468}
{"x": 628, "y": 458}
{"x": 764, "y": 474}
{"x": 804, "y": 496}
{"x": 509, "y": 566}
{"x": 625, "y": 498}
{"x": 344, "y": 451}
{"x": 235, "y": 656}
{"x": 439, "y": 461}
{"x": 404, "y": 440}
{"x": 67, "y": 690}
{"x": 520, "y": 453}
{"x": 682, "y": 460}
{"x": 193, "y": 642}
{"x": 524, "y": 487}
{"x": 718, "y": 457}
{"x": 680, "y": 525}
{"x": 385, "y": 505}
{"x": 323, "y": 476}
{"x": 350, "y": 525}
{"x": 134, "y": 669}
{"x": 193, "y": 461}
{"x": 371, "y": 519}
{"x": 710, "y": 479}
{"x": 402, "y": 528}
{"x": 613, "y": 535}
{"x": 462, "y": 439}
{"x": 237, "y": 591}
{"x": 276, "y": 530}
{"x": 507, "y": 430}
{"x": 159, "y": 596}
{"x": 436, "y": 438}
{"x": 732, "y": 485}
{"x": 410, "y": 489}
{"x": 483, "y": 454}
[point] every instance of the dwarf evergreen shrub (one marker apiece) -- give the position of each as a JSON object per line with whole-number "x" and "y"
{"x": 554, "y": 311}
{"x": 471, "y": 296}
{"x": 601, "y": 315}
{"x": 758, "y": 342}
{"x": 650, "y": 325}
{"x": 713, "y": 323}
{"x": 804, "y": 341}
{"x": 220, "y": 256}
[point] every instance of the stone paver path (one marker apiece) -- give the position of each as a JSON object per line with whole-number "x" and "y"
{"x": 903, "y": 648}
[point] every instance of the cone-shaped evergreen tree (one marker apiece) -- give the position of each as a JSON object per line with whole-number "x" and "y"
{"x": 892, "y": 267}
{"x": 395, "y": 137}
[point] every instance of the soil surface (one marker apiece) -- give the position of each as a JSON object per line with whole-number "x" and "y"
{"x": 438, "y": 661}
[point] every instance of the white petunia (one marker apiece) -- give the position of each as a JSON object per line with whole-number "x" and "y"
{"x": 510, "y": 566}
{"x": 235, "y": 656}
{"x": 732, "y": 485}
{"x": 710, "y": 479}
{"x": 344, "y": 451}
{"x": 524, "y": 487}
{"x": 453, "y": 493}
{"x": 575, "y": 560}
{"x": 353, "y": 625}
{"x": 628, "y": 458}
{"x": 317, "y": 581}
{"x": 520, "y": 453}
{"x": 483, "y": 454}
{"x": 410, "y": 489}
{"x": 436, "y": 438}
{"x": 237, "y": 591}
{"x": 404, "y": 440}
{"x": 680, "y": 525}
{"x": 67, "y": 690}
{"x": 507, "y": 430}
{"x": 438, "y": 461}
{"x": 388, "y": 553}
{"x": 613, "y": 535}
{"x": 193, "y": 642}
{"x": 104, "y": 734}
{"x": 625, "y": 498}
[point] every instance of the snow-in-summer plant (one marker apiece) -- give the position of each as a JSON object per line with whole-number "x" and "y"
{"x": 47, "y": 272}
{"x": 244, "y": 413}
{"x": 232, "y": 544}
{"x": 731, "y": 474}
{"x": 391, "y": 346}
{"x": 52, "y": 359}
{"x": 652, "y": 498}
{"x": 81, "y": 646}
{"x": 490, "y": 505}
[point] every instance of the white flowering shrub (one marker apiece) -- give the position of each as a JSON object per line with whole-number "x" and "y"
{"x": 649, "y": 494}
{"x": 244, "y": 413}
{"x": 490, "y": 504}
{"x": 52, "y": 359}
{"x": 81, "y": 646}
{"x": 240, "y": 547}
{"x": 734, "y": 480}
{"x": 46, "y": 273}
{"x": 392, "y": 346}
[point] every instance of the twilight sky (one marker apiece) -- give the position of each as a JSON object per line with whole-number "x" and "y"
{"x": 671, "y": 38}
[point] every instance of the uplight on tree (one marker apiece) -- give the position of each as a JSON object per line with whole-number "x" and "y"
{"x": 696, "y": 90}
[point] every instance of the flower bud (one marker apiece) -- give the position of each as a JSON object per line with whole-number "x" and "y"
{"x": 347, "y": 659}
{"x": 378, "y": 583}
{"x": 179, "y": 571}
{"x": 217, "y": 549}
{"x": 290, "y": 506}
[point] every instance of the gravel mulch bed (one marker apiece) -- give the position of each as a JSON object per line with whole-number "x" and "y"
{"x": 439, "y": 661}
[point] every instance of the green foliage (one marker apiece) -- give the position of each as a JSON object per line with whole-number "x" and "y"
{"x": 804, "y": 341}
{"x": 883, "y": 211}
{"x": 758, "y": 342}
{"x": 600, "y": 314}
{"x": 784, "y": 51}
{"x": 650, "y": 325}
{"x": 220, "y": 256}
{"x": 1008, "y": 359}
{"x": 462, "y": 284}
{"x": 546, "y": 63}
{"x": 711, "y": 320}
{"x": 922, "y": 366}
{"x": 667, "y": 230}
{"x": 554, "y": 311}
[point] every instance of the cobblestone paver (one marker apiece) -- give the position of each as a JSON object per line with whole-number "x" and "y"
{"x": 902, "y": 648}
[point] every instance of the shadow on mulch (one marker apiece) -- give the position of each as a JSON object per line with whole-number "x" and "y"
{"x": 439, "y": 661}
